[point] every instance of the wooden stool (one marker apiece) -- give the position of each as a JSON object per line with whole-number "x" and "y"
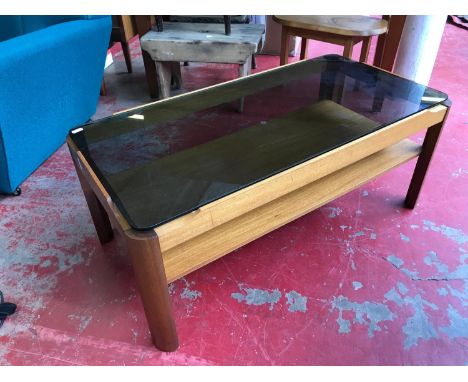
{"x": 341, "y": 30}
{"x": 199, "y": 42}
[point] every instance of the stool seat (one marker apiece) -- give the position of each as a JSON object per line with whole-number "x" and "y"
{"x": 341, "y": 30}
{"x": 341, "y": 25}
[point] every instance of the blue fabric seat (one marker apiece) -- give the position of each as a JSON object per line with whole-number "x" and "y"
{"x": 51, "y": 69}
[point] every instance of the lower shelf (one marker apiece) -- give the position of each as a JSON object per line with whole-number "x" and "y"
{"x": 211, "y": 245}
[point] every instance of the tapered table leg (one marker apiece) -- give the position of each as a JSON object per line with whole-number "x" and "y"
{"x": 152, "y": 284}
{"x": 428, "y": 147}
{"x": 98, "y": 213}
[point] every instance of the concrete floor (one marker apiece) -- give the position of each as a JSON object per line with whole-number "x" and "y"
{"x": 361, "y": 281}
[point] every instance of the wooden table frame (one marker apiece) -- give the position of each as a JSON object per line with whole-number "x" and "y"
{"x": 171, "y": 251}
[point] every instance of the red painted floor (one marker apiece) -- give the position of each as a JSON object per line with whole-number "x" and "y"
{"x": 360, "y": 281}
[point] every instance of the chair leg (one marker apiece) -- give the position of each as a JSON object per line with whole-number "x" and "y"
{"x": 365, "y": 49}
{"x": 284, "y": 46}
{"x": 363, "y": 58}
{"x": 127, "y": 56}
{"x": 103, "y": 91}
{"x": 348, "y": 48}
{"x": 304, "y": 42}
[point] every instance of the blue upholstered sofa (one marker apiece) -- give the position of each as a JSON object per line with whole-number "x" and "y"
{"x": 51, "y": 69}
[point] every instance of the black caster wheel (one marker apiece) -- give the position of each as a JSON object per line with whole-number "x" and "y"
{"x": 17, "y": 192}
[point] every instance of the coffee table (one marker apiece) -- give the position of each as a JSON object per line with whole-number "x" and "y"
{"x": 189, "y": 179}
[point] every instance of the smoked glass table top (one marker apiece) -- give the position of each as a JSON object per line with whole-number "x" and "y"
{"x": 166, "y": 159}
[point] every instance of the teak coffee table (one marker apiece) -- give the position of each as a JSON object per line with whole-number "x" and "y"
{"x": 188, "y": 179}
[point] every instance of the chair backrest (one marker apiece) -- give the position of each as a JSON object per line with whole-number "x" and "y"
{"x": 13, "y": 26}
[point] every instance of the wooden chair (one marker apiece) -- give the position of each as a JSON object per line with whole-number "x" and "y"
{"x": 341, "y": 30}
{"x": 123, "y": 29}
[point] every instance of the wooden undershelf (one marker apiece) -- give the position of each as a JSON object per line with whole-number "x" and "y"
{"x": 207, "y": 247}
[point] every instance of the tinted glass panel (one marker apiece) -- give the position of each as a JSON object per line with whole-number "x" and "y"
{"x": 164, "y": 160}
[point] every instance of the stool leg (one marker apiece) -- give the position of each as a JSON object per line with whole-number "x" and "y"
{"x": 127, "y": 55}
{"x": 284, "y": 46}
{"x": 150, "y": 73}
{"x": 176, "y": 75}
{"x": 348, "y": 48}
{"x": 304, "y": 42}
{"x": 365, "y": 49}
{"x": 103, "y": 90}
{"x": 254, "y": 62}
{"x": 163, "y": 75}
{"x": 363, "y": 57}
{"x": 244, "y": 70}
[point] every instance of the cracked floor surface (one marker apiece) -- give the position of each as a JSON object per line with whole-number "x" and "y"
{"x": 361, "y": 281}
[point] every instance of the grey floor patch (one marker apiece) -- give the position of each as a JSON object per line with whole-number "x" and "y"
{"x": 357, "y": 285}
{"x": 461, "y": 295}
{"x": 454, "y": 234}
{"x": 404, "y": 237}
{"x": 418, "y": 325}
{"x": 458, "y": 324}
{"x": 296, "y": 302}
{"x": 366, "y": 313}
{"x": 257, "y": 297}
{"x": 334, "y": 211}
{"x": 402, "y": 288}
{"x": 393, "y": 295}
{"x": 460, "y": 273}
{"x": 189, "y": 294}
{"x": 442, "y": 292}
{"x": 432, "y": 259}
{"x": 398, "y": 263}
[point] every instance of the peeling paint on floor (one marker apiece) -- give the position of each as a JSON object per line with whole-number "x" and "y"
{"x": 253, "y": 296}
{"x": 454, "y": 234}
{"x": 296, "y": 302}
{"x": 189, "y": 294}
{"x": 366, "y": 313}
{"x": 458, "y": 325}
{"x": 357, "y": 285}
